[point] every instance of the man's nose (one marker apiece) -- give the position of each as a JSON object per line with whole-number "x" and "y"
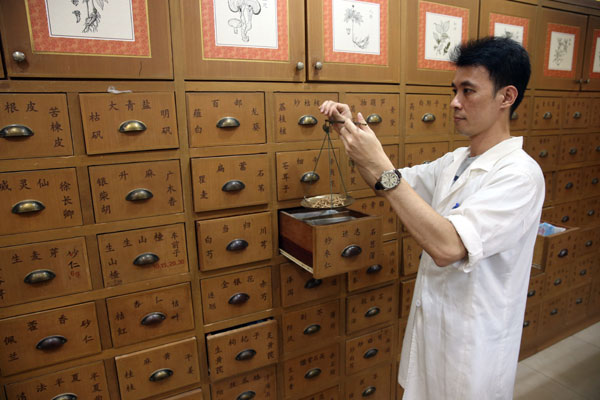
{"x": 455, "y": 103}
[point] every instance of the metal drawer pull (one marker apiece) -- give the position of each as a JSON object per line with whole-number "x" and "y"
{"x": 311, "y": 329}
{"x": 237, "y": 245}
{"x": 374, "y": 119}
{"x": 299, "y": 67}
{"x": 132, "y": 126}
{"x": 369, "y": 391}
{"x": 18, "y": 56}
{"x": 373, "y": 269}
{"x": 563, "y": 253}
{"x": 15, "y": 131}
{"x": 310, "y": 177}
{"x": 428, "y": 117}
{"x": 245, "y": 355}
{"x": 569, "y": 185}
{"x": 591, "y": 213}
{"x": 65, "y": 396}
{"x": 554, "y": 311}
{"x": 543, "y": 154}
{"x": 28, "y": 206}
{"x": 557, "y": 282}
{"x": 139, "y": 195}
{"x": 233, "y": 186}
{"x": 351, "y": 251}
{"x": 576, "y": 115}
{"x": 547, "y": 115}
{"x": 319, "y": 65}
{"x": 573, "y": 151}
{"x": 370, "y": 353}
{"x": 578, "y": 300}
{"x": 526, "y": 324}
{"x": 565, "y": 219}
{"x": 161, "y": 375}
{"x": 531, "y": 293}
{"x": 595, "y": 181}
{"x": 51, "y": 342}
{"x": 514, "y": 116}
{"x": 238, "y": 298}
{"x": 583, "y": 272}
{"x": 371, "y": 312}
{"x": 312, "y": 373}
{"x": 246, "y": 395}
{"x": 597, "y": 149}
{"x": 39, "y": 276}
{"x": 228, "y": 122}
{"x": 146, "y": 259}
{"x": 313, "y": 283}
{"x": 153, "y": 318}
{"x": 308, "y": 120}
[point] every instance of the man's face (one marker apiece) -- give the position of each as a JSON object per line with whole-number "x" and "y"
{"x": 476, "y": 107}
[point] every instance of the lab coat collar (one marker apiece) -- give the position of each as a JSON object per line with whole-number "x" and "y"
{"x": 487, "y": 160}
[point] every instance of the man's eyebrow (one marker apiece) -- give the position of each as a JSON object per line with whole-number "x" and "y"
{"x": 464, "y": 83}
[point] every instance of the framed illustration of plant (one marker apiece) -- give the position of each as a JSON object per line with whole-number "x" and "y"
{"x": 509, "y": 26}
{"x": 562, "y": 44}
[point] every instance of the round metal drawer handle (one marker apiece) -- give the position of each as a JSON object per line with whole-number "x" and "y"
{"x": 307, "y": 120}
{"x": 531, "y": 293}
{"x": 514, "y": 116}
{"x": 132, "y": 126}
{"x": 233, "y": 186}
{"x": 238, "y": 298}
{"x": 590, "y": 213}
{"x": 161, "y": 375}
{"x": 146, "y": 259}
{"x": 237, "y": 245}
{"x": 428, "y": 118}
{"x": 554, "y": 311}
{"x": 374, "y": 119}
{"x": 27, "y": 207}
{"x": 373, "y": 269}
{"x": 371, "y": 312}
{"x": 563, "y": 253}
{"x": 245, "y": 355}
{"x": 598, "y": 149}
{"x": 573, "y": 151}
{"x": 228, "y": 122}
{"x": 352, "y": 250}
{"x": 312, "y": 373}
{"x": 595, "y": 181}
{"x": 369, "y": 391}
{"x": 247, "y": 395}
{"x": 15, "y": 131}
{"x": 139, "y": 194}
{"x": 39, "y": 276}
{"x": 153, "y": 318}
{"x": 319, "y": 65}
{"x": 576, "y": 115}
{"x": 299, "y": 65}
{"x": 51, "y": 342}
{"x": 370, "y": 353}
{"x": 65, "y": 396}
{"x": 579, "y": 300}
{"x": 313, "y": 283}
{"x": 583, "y": 272}
{"x": 312, "y": 329}
{"x": 565, "y": 219}
{"x": 557, "y": 282}
{"x": 525, "y": 324}
{"x": 543, "y": 154}
{"x": 310, "y": 177}
{"x": 18, "y": 56}
{"x": 569, "y": 185}
{"x": 547, "y": 115}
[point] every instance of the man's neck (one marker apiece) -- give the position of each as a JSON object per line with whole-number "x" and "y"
{"x": 484, "y": 141}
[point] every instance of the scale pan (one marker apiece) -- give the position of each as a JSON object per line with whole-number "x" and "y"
{"x": 327, "y": 201}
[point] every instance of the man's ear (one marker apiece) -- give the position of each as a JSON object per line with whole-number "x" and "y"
{"x": 509, "y": 95}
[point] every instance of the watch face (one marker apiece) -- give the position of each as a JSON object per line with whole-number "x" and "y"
{"x": 389, "y": 180}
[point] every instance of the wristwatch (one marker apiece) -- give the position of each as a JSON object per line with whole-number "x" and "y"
{"x": 388, "y": 180}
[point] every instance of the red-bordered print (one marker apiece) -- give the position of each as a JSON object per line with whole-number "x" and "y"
{"x": 564, "y": 29}
{"x": 510, "y": 20}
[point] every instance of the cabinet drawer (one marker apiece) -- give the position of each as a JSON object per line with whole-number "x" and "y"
{"x": 370, "y": 308}
{"x": 84, "y": 382}
{"x": 422, "y": 153}
{"x": 150, "y": 314}
{"x": 530, "y": 324}
{"x": 590, "y": 177}
{"x": 407, "y": 289}
{"x": 224, "y": 242}
{"x": 311, "y": 327}
{"x": 260, "y": 384}
{"x": 568, "y": 185}
{"x": 327, "y": 394}
{"x": 297, "y": 118}
{"x": 380, "y": 110}
{"x": 595, "y": 112}
{"x": 220, "y": 118}
{"x": 593, "y": 146}
{"x": 589, "y": 212}
{"x": 546, "y": 113}
{"x": 229, "y": 182}
{"x": 368, "y": 350}
{"x": 327, "y": 243}
{"x": 428, "y": 115}
{"x": 520, "y": 118}
{"x": 293, "y": 181}
{"x": 39, "y": 200}
{"x": 373, "y": 384}
{"x": 43, "y": 270}
{"x": 142, "y": 254}
{"x": 583, "y": 269}
{"x": 576, "y": 113}
{"x": 555, "y": 250}
{"x": 191, "y": 395}
{"x": 377, "y": 206}
{"x": 34, "y": 125}
{"x": 48, "y": 337}
{"x": 311, "y": 371}
{"x": 115, "y": 123}
{"x": 299, "y": 286}
{"x": 557, "y": 281}
{"x": 126, "y": 191}
{"x": 572, "y": 149}
{"x": 578, "y": 300}
{"x": 552, "y": 315}
{"x": 158, "y": 370}
{"x": 411, "y": 255}
{"x": 352, "y": 177}
{"x": 567, "y": 213}
{"x": 236, "y": 294}
{"x": 242, "y": 349}
{"x": 535, "y": 292}
{"x": 544, "y": 150}
{"x": 377, "y": 273}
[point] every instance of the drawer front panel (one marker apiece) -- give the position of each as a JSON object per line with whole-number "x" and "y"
{"x": 568, "y": 185}
{"x": 327, "y": 394}
{"x": 520, "y": 118}
{"x": 368, "y": 350}
{"x": 374, "y": 384}
{"x": 535, "y": 291}
{"x": 311, "y": 371}
{"x": 578, "y": 299}
{"x": 242, "y": 349}
{"x": 589, "y": 212}
{"x": 48, "y": 337}
{"x": 380, "y": 207}
{"x": 217, "y": 235}
{"x": 576, "y": 113}
{"x": 153, "y": 313}
{"x": 428, "y": 115}
{"x": 546, "y": 113}
{"x": 381, "y": 111}
{"x": 261, "y": 383}
{"x": 229, "y": 182}
{"x": 591, "y": 181}
{"x": 593, "y": 147}
{"x": 236, "y": 294}
{"x": 557, "y": 281}
{"x": 552, "y": 315}
{"x": 530, "y": 323}
{"x": 34, "y": 125}
{"x": 299, "y": 286}
{"x": 115, "y": 123}
{"x": 376, "y": 273}
{"x": 142, "y": 254}
{"x": 421, "y": 153}
{"x": 219, "y": 118}
{"x": 544, "y": 150}
{"x": 370, "y": 308}
{"x": 39, "y": 200}
{"x": 43, "y": 270}
{"x": 121, "y": 191}
{"x": 191, "y": 395}
{"x": 587, "y": 241}
{"x": 85, "y": 382}
{"x": 583, "y": 270}
{"x": 311, "y": 327}
{"x": 411, "y": 255}
{"x": 297, "y": 117}
{"x": 572, "y": 149}
{"x": 158, "y": 370}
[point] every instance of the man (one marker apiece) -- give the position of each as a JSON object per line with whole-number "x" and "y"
{"x": 475, "y": 212}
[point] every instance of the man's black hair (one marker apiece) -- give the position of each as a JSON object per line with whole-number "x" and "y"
{"x": 506, "y": 61}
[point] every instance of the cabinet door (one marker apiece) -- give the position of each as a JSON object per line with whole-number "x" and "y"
{"x": 437, "y": 28}
{"x": 560, "y": 49}
{"x": 351, "y": 40}
{"x": 591, "y": 60}
{"x": 97, "y": 39}
{"x": 262, "y": 42}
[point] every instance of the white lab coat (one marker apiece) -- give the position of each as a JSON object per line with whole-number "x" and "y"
{"x": 464, "y": 328}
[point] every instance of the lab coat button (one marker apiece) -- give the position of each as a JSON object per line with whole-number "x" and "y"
{"x": 418, "y": 303}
